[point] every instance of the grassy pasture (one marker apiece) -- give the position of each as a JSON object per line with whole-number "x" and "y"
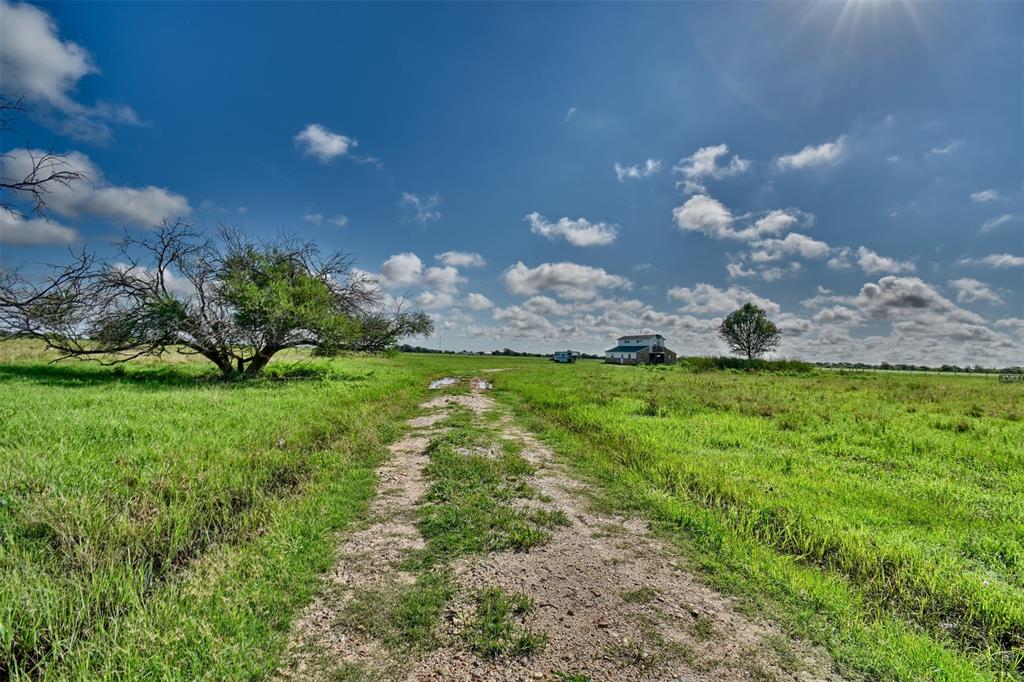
{"x": 154, "y": 523}
{"x": 882, "y": 515}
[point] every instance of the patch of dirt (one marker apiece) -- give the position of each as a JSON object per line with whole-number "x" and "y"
{"x": 612, "y": 600}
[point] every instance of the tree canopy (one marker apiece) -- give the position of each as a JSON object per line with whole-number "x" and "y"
{"x": 234, "y": 301}
{"x": 748, "y": 331}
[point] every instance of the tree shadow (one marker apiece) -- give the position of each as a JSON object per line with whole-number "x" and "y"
{"x": 83, "y": 375}
{"x": 161, "y": 377}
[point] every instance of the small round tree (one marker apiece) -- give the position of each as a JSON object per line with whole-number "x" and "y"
{"x": 748, "y": 331}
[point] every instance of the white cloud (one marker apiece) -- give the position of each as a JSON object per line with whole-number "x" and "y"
{"x": 568, "y": 280}
{"x": 984, "y": 195}
{"x": 579, "y": 232}
{"x": 839, "y": 314}
{"x": 995, "y": 260}
{"x": 968, "y": 290}
{"x": 545, "y": 305}
{"x": 461, "y": 259}
{"x": 634, "y": 172}
{"x": 401, "y": 269}
{"x": 773, "y": 222}
{"x": 569, "y": 114}
{"x": 872, "y": 263}
{"x": 777, "y": 273}
{"x": 794, "y": 243}
{"x": 340, "y": 220}
{"x": 38, "y": 65}
{"x": 35, "y": 61}
{"x": 95, "y": 196}
{"x": 703, "y": 214}
{"x": 174, "y": 283}
{"x": 827, "y": 154}
{"x": 317, "y": 141}
{"x": 711, "y": 217}
{"x": 895, "y": 297}
{"x": 18, "y": 231}
{"x": 993, "y": 223}
{"x": 516, "y": 321}
{"x": 703, "y": 164}
{"x": 444, "y": 279}
{"x": 736, "y": 271}
{"x": 315, "y": 218}
{"x": 1015, "y": 324}
{"x": 477, "y": 301}
{"x": 707, "y": 298}
{"x": 432, "y": 300}
{"x": 947, "y": 149}
{"x": 422, "y": 210}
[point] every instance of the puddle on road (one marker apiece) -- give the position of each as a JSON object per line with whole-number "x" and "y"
{"x": 441, "y": 383}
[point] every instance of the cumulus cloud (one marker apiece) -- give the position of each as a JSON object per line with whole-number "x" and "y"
{"x": 422, "y": 210}
{"x": 839, "y": 315}
{"x": 827, "y": 154}
{"x": 432, "y": 300}
{"x": 984, "y": 195}
{"x": 444, "y": 279}
{"x": 707, "y": 298}
{"x": 461, "y": 259}
{"x": 736, "y": 270}
{"x": 340, "y": 220}
{"x": 18, "y": 231}
{"x": 517, "y": 321}
{"x": 701, "y": 213}
{"x": 703, "y": 164}
{"x": 401, "y": 270}
{"x": 637, "y": 171}
{"x": 993, "y": 223}
{"x": 315, "y": 218}
{"x": 477, "y": 301}
{"x": 95, "y": 196}
{"x": 38, "y": 65}
{"x": 776, "y": 273}
{"x": 568, "y": 280}
{"x": 872, "y": 263}
{"x": 317, "y": 141}
{"x": 892, "y": 297}
{"x": 968, "y": 290}
{"x": 579, "y": 232}
{"x": 995, "y": 260}
{"x": 794, "y": 243}
{"x": 840, "y": 259}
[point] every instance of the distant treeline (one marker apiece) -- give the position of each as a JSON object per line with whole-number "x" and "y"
{"x": 508, "y": 352}
{"x": 885, "y": 366}
{"x": 703, "y": 363}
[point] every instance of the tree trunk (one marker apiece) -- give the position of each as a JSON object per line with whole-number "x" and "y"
{"x": 259, "y": 361}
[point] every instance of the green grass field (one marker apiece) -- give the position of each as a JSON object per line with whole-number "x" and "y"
{"x": 155, "y": 522}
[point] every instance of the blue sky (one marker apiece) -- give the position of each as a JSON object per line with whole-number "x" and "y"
{"x": 590, "y": 170}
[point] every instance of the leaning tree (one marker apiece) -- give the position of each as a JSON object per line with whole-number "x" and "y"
{"x": 234, "y": 301}
{"x": 748, "y": 331}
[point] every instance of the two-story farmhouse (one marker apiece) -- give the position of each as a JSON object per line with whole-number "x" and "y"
{"x": 640, "y": 349}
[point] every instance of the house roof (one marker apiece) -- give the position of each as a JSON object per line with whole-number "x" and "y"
{"x": 639, "y": 336}
{"x": 628, "y": 349}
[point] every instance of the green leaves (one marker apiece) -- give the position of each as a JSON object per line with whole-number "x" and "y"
{"x": 748, "y": 331}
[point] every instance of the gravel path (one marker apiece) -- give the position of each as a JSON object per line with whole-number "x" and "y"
{"x": 612, "y": 600}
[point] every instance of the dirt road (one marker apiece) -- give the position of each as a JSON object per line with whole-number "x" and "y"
{"x": 607, "y": 600}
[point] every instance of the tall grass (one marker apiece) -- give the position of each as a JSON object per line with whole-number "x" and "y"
{"x": 897, "y": 501}
{"x": 155, "y": 523}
